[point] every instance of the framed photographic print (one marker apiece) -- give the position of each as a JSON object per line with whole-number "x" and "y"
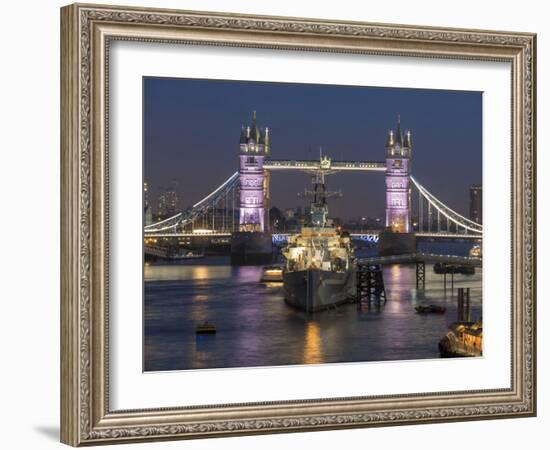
{"x": 275, "y": 224}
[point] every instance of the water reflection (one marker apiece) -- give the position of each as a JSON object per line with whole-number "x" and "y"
{"x": 256, "y": 328}
{"x": 312, "y": 348}
{"x": 187, "y": 271}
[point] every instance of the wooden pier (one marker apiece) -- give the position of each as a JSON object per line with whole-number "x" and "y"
{"x": 370, "y": 284}
{"x": 420, "y": 260}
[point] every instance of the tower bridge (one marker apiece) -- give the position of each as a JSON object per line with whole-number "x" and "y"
{"x": 240, "y": 205}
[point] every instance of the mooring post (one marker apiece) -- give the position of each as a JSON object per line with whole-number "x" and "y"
{"x": 369, "y": 285}
{"x": 380, "y": 287}
{"x": 452, "y": 283}
{"x": 359, "y": 282}
{"x": 420, "y": 274}
{"x": 460, "y": 305}
{"x": 468, "y": 315}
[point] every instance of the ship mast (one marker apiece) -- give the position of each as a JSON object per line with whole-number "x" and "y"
{"x": 319, "y": 194}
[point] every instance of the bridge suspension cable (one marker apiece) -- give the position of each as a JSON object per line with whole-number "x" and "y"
{"x": 202, "y": 207}
{"x": 227, "y": 184}
{"x": 457, "y": 219}
{"x": 165, "y": 224}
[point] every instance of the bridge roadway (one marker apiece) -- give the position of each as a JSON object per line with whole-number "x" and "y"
{"x": 444, "y": 235}
{"x": 421, "y": 257}
{"x": 277, "y": 237}
{"x": 180, "y": 235}
{"x": 369, "y": 236}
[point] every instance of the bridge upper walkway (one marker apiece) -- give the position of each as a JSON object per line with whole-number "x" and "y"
{"x": 362, "y": 166}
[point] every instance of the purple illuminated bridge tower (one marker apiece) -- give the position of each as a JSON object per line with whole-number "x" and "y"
{"x": 398, "y": 192}
{"x": 254, "y": 147}
{"x": 252, "y": 244}
{"x": 398, "y": 237}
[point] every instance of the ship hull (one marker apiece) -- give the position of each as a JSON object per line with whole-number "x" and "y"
{"x": 314, "y": 289}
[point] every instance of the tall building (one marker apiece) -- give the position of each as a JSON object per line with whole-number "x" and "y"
{"x": 145, "y": 194}
{"x": 147, "y": 210}
{"x": 168, "y": 201}
{"x": 398, "y": 193}
{"x": 254, "y": 148}
{"x": 161, "y": 206}
{"x": 172, "y": 199}
{"x": 476, "y": 203}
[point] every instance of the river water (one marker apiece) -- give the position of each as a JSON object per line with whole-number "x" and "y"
{"x": 255, "y": 327}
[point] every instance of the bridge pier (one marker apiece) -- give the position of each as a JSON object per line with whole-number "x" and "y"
{"x": 391, "y": 243}
{"x": 251, "y": 248}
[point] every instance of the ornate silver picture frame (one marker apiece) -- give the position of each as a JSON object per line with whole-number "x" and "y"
{"x": 87, "y": 32}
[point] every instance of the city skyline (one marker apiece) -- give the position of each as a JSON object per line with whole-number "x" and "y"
{"x": 189, "y": 124}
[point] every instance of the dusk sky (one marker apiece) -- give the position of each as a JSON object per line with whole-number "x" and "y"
{"x": 192, "y": 129}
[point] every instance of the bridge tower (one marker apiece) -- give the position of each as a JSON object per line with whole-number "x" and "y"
{"x": 254, "y": 147}
{"x": 252, "y": 243}
{"x": 398, "y": 192}
{"x": 398, "y": 238}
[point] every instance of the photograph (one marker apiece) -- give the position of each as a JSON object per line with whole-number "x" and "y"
{"x": 298, "y": 223}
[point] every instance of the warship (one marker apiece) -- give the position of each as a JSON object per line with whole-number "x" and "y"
{"x": 320, "y": 267}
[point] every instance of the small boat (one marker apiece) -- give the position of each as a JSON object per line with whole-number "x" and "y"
{"x": 462, "y": 339}
{"x": 475, "y": 251}
{"x": 430, "y": 309}
{"x": 205, "y": 328}
{"x": 188, "y": 255}
{"x": 441, "y": 268}
{"x": 272, "y": 274}
{"x": 171, "y": 253}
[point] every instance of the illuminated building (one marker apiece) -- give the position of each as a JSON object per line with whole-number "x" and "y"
{"x": 168, "y": 201}
{"x": 398, "y": 193}
{"x": 147, "y": 210}
{"x": 476, "y": 203}
{"x": 289, "y": 213}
